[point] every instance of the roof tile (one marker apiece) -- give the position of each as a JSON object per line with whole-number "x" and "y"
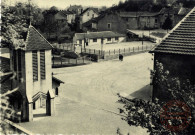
{"x": 181, "y": 40}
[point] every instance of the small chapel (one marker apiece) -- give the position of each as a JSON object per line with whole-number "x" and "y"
{"x": 32, "y": 68}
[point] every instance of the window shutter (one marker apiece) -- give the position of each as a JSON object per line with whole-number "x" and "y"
{"x": 35, "y": 65}
{"x": 42, "y": 63}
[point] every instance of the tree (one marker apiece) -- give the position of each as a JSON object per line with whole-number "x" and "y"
{"x": 147, "y": 114}
{"x": 15, "y": 22}
{"x": 167, "y": 25}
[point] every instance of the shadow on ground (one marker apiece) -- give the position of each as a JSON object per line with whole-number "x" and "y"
{"x": 40, "y": 115}
{"x": 144, "y": 93}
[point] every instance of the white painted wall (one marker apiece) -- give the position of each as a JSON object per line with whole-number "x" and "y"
{"x": 85, "y": 16}
{"x": 41, "y": 85}
{"x": 90, "y": 41}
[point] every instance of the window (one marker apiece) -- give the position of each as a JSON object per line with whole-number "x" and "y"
{"x": 108, "y": 39}
{"x": 116, "y": 38}
{"x": 80, "y": 41}
{"x": 109, "y": 25}
{"x": 95, "y": 40}
{"x": 87, "y": 13}
{"x": 56, "y": 91}
{"x": 42, "y": 63}
{"x": 35, "y": 65}
{"x": 156, "y": 20}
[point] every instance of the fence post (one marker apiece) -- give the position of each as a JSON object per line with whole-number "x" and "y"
{"x": 129, "y": 49}
{"x": 146, "y": 47}
{"x": 109, "y": 52}
{"x": 114, "y": 51}
{"x": 53, "y": 60}
{"x": 99, "y": 52}
{"x": 133, "y": 49}
{"x": 76, "y": 61}
{"x": 142, "y": 48}
{"x": 61, "y": 60}
{"x": 83, "y": 60}
{"x": 138, "y": 48}
{"x": 94, "y": 51}
{"x": 119, "y": 51}
{"x": 124, "y": 50}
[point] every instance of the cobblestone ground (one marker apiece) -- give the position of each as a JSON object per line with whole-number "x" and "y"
{"x": 88, "y": 103}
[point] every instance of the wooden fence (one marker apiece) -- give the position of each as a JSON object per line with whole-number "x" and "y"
{"x": 60, "y": 61}
{"x": 65, "y": 46}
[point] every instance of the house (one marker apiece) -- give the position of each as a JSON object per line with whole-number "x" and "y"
{"x": 55, "y": 16}
{"x": 70, "y": 16}
{"x": 76, "y": 9}
{"x": 140, "y": 20}
{"x": 30, "y": 66}
{"x": 97, "y": 38}
{"x": 175, "y": 14}
{"x": 88, "y": 14}
{"x": 111, "y": 22}
{"x": 177, "y": 53}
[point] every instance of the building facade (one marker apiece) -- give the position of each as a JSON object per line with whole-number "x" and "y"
{"x": 31, "y": 64}
{"x": 111, "y": 22}
{"x": 177, "y": 55}
{"x": 87, "y": 15}
{"x": 98, "y": 38}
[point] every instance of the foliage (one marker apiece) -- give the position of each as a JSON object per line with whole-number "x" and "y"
{"x": 147, "y": 113}
{"x": 6, "y": 112}
{"x": 15, "y": 21}
{"x": 167, "y": 25}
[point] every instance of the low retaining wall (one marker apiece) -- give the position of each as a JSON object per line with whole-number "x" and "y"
{"x": 18, "y": 129}
{"x": 116, "y": 56}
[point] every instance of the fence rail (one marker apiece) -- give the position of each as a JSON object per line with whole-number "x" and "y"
{"x": 65, "y": 46}
{"x": 128, "y": 50}
{"x": 60, "y": 61}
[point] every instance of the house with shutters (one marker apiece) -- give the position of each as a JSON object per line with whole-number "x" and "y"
{"x": 31, "y": 68}
{"x": 177, "y": 54}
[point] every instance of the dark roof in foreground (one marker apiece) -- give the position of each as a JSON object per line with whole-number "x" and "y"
{"x": 181, "y": 39}
{"x": 102, "y": 34}
{"x": 56, "y": 80}
{"x": 35, "y": 41}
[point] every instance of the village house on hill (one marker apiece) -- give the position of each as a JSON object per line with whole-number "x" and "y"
{"x": 140, "y": 20}
{"x": 177, "y": 53}
{"x": 98, "y": 38}
{"x": 31, "y": 72}
{"x": 61, "y": 16}
{"x": 107, "y": 22}
{"x": 78, "y": 9}
{"x": 87, "y": 15}
{"x": 121, "y": 21}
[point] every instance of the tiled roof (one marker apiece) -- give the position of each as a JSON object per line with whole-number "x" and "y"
{"x": 181, "y": 39}
{"x": 56, "y": 80}
{"x": 95, "y": 10}
{"x": 102, "y": 34}
{"x": 35, "y": 41}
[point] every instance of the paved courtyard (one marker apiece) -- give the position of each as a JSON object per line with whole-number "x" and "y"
{"x": 88, "y": 103}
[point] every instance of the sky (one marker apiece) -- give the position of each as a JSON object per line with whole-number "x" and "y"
{"x": 62, "y": 4}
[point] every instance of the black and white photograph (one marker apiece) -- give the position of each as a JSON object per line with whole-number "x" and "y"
{"x": 97, "y": 67}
